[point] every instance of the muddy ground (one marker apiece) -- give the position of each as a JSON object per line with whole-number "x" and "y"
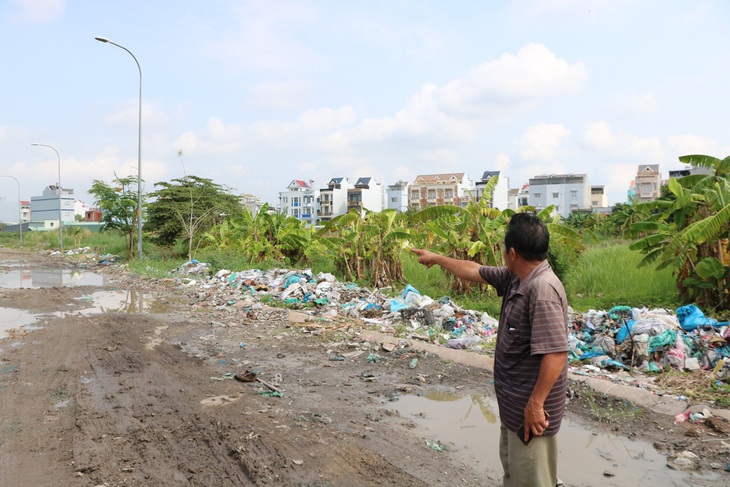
{"x": 158, "y": 398}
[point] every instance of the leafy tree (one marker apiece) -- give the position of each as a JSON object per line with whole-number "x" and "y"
{"x": 186, "y": 207}
{"x": 689, "y": 233}
{"x": 262, "y": 236}
{"x": 368, "y": 245}
{"x": 622, "y": 216}
{"x": 118, "y": 204}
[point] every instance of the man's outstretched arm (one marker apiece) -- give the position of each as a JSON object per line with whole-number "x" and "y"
{"x": 464, "y": 269}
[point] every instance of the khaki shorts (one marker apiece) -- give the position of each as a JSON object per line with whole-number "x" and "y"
{"x": 534, "y": 465}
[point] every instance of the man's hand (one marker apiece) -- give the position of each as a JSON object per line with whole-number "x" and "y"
{"x": 536, "y": 420}
{"x": 425, "y": 257}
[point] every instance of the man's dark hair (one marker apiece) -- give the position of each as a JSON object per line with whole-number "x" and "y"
{"x": 528, "y": 235}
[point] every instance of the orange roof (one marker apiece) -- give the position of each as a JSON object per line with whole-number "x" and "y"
{"x": 424, "y": 178}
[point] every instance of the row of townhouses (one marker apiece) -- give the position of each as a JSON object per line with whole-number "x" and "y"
{"x": 565, "y": 192}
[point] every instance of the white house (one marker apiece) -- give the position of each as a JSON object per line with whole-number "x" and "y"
{"x": 567, "y": 192}
{"x": 299, "y": 201}
{"x": 367, "y": 194}
{"x": 397, "y": 196}
{"x": 500, "y": 195}
{"x": 333, "y": 199}
{"x": 252, "y": 202}
{"x": 45, "y": 208}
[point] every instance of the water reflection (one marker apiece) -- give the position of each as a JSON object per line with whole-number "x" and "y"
{"x": 125, "y": 301}
{"x": 586, "y": 457}
{"x": 40, "y": 278}
{"x": 14, "y": 318}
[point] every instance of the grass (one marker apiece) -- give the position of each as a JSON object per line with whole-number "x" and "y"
{"x": 608, "y": 275}
{"x": 699, "y": 385}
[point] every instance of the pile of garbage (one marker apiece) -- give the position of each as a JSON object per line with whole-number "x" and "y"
{"x": 622, "y": 338}
{"x": 409, "y": 313}
{"x": 650, "y": 339}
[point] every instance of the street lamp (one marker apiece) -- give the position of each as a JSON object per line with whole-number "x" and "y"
{"x": 20, "y": 209}
{"x": 60, "y": 215}
{"x": 139, "y": 149}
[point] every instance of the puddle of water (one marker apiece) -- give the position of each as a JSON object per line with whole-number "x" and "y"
{"x": 470, "y": 426}
{"x": 124, "y": 301}
{"x": 14, "y": 318}
{"x": 35, "y": 279}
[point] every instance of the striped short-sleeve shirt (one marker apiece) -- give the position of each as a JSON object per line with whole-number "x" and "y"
{"x": 533, "y": 322}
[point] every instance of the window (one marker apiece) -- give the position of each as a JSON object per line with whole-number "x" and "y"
{"x": 414, "y": 195}
{"x": 448, "y": 193}
{"x": 645, "y": 188}
{"x": 431, "y": 194}
{"x": 538, "y": 195}
{"x": 573, "y": 194}
{"x": 394, "y": 200}
{"x": 556, "y": 195}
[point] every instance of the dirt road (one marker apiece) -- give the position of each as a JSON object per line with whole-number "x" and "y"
{"x": 154, "y": 393}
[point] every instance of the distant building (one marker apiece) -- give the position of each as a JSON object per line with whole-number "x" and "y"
{"x": 631, "y": 192}
{"x": 79, "y": 209}
{"x": 333, "y": 199}
{"x": 500, "y": 195}
{"x": 299, "y": 201}
{"x": 648, "y": 182}
{"x": 689, "y": 171}
{"x": 93, "y": 215}
{"x": 599, "y": 198}
{"x": 440, "y": 189}
{"x": 519, "y": 197}
{"x": 397, "y": 196}
{"x": 366, "y": 195}
{"x": 566, "y": 192}
{"x": 45, "y": 208}
{"x": 252, "y": 202}
{"x": 25, "y": 215}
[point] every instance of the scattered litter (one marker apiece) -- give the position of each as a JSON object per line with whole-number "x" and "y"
{"x": 247, "y": 376}
{"x": 436, "y": 445}
{"x": 373, "y": 358}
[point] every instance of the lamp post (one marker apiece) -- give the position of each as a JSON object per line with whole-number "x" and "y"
{"x": 60, "y": 215}
{"x": 139, "y": 148}
{"x": 20, "y": 209}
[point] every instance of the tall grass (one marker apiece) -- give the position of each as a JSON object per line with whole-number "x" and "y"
{"x": 607, "y": 275}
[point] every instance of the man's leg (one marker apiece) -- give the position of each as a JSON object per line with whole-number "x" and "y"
{"x": 504, "y": 454}
{"x": 534, "y": 465}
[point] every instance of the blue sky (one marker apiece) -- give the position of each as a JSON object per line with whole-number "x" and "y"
{"x": 257, "y": 93}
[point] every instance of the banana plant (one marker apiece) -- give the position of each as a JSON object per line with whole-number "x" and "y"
{"x": 689, "y": 233}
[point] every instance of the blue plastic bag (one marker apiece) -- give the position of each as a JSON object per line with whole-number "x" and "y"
{"x": 691, "y": 317}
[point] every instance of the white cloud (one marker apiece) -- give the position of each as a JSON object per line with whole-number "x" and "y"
{"x": 129, "y": 114}
{"x": 38, "y": 11}
{"x": 533, "y": 74}
{"x": 280, "y": 95}
{"x": 541, "y": 141}
{"x": 688, "y": 144}
{"x": 439, "y": 156}
{"x": 264, "y": 37}
{"x": 237, "y": 170}
{"x": 598, "y": 135}
{"x": 419, "y": 119}
{"x": 601, "y": 137}
{"x": 636, "y": 104}
{"x": 216, "y": 138}
{"x": 500, "y": 162}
